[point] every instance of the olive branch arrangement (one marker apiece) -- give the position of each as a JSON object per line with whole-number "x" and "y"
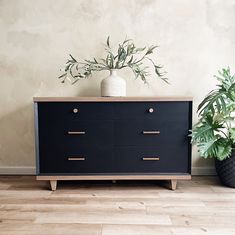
{"x": 127, "y": 56}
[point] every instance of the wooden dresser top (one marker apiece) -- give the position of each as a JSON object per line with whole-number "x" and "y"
{"x": 109, "y": 99}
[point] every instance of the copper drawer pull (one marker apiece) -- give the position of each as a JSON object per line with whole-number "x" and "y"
{"x": 151, "y": 132}
{"x": 76, "y": 158}
{"x": 151, "y": 158}
{"x": 76, "y": 132}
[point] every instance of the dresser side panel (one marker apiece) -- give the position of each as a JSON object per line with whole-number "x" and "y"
{"x": 36, "y": 133}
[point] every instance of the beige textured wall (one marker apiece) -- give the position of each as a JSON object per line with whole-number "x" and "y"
{"x": 195, "y": 37}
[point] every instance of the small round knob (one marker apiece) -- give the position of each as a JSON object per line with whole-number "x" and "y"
{"x": 75, "y": 110}
{"x": 151, "y": 110}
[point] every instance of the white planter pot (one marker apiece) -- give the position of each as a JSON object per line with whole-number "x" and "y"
{"x": 113, "y": 85}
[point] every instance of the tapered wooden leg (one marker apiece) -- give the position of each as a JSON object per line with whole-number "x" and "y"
{"x": 173, "y": 184}
{"x": 53, "y": 184}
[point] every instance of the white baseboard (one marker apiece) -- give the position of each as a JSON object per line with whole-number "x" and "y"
{"x": 30, "y": 170}
{"x": 203, "y": 170}
{"x": 17, "y": 170}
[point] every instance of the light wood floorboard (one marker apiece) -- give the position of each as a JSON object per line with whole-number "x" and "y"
{"x": 200, "y": 206}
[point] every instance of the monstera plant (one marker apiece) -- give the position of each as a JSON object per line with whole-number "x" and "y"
{"x": 214, "y": 134}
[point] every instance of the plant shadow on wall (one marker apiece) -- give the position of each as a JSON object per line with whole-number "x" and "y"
{"x": 126, "y": 55}
{"x": 214, "y": 134}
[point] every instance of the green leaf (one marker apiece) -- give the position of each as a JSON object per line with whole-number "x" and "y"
{"x": 150, "y": 50}
{"x": 129, "y": 62}
{"x": 72, "y": 58}
{"x": 130, "y": 49}
{"x": 208, "y": 104}
{"x": 231, "y": 92}
{"x": 140, "y": 49}
{"x": 67, "y": 67}
{"x": 63, "y": 75}
{"x": 224, "y": 149}
{"x": 121, "y": 54}
{"x": 207, "y": 148}
{"x": 232, "y": 134}
{"x": 107, "y": 42}
{"x": 157, "y": 71}
{"x": 219, "y": 148}
{"x": 203, "y": 132}
{"x": 107, "y": 60}
{"x": 111, "y": 60}
{"x": 125, "y": 41}
{"x": 166, "y": 80}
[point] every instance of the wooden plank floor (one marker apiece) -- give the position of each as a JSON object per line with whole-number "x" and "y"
{"x": 200, "y": 206}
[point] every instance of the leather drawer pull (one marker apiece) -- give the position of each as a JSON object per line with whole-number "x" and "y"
{"x": 76, "y": 132}
{"x": 151, "y": 158}
{"x": 76, "y": 158}
{"x": 151, "y": 132}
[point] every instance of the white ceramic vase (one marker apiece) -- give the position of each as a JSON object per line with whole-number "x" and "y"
{"x": 113, "y": 85}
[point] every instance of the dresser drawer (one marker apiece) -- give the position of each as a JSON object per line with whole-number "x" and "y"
{"x": 168, "y": 159}
{"x": 156, "y": 110}
{"x": 77, "y": 160}
{"x": 79, "y": 133}
{"x": 92, "y": 133}
{"x": 55, "y": 111}
{"x": 151, "y": 132}
{"x": 61, "y": 111}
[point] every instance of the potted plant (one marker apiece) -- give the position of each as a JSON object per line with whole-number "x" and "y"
{"x": 127, "y": 55}
{"x": 214, "y": 134}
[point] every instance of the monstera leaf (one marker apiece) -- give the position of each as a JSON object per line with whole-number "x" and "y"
{"x": 232, "y": 134}
{"x": 214, "y": 133}
{"x": 215, "y": 147}
{"x": 206, "y": 128}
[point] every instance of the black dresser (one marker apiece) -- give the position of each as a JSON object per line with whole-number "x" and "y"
{"x": 127, "y": 138}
